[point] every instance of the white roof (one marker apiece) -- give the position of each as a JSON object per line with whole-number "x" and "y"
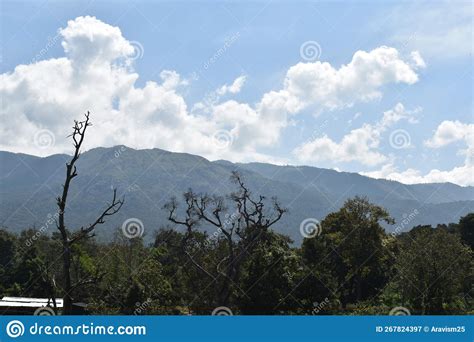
{"x": 29, "y": 302}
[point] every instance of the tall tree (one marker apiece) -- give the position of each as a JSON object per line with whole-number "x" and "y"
{"x": 354, "y": 235}
{"x": 69, "y": 238}
{"x": 434, "y": 270}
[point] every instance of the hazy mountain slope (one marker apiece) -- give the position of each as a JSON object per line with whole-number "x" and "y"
{"x": 148, "y": 178}
{"x": 353, "y": 183}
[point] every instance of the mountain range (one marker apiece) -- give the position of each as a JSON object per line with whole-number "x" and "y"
{"x": 29, "y": 186}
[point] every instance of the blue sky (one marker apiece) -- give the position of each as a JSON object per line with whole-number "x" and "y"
{"x": 411, "y": 119}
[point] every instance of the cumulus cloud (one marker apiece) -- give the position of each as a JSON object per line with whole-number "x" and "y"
{"x": 361, "y": 80}
{"x": 89, "y": 41}
{"x": 446, "y": 133}
{"x": 234, "y": 88}
{"x": 97, "y": 74}
{"x": 324, "y": 87}
{"x": 451, "y": 131}
{"x": 360, "y": 144}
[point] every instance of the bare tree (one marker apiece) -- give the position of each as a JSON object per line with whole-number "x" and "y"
{"x": 241, "y": 231}
{"x": 68, "y": 238}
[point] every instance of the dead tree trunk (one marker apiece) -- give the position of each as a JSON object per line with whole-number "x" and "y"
{"x": 68, "y": 238}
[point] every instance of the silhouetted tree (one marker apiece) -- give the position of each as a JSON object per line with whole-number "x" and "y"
{"x": 69, "y": 238}
{"x": 241, "y": 230}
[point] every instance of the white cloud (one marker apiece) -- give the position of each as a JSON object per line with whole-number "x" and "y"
{"x": 462, "y": 175}
{"x": 96, "y": 74}
{"x": 451, "y": 131}
{"x": 360, "y": 144}
{"x": 361, "y": 80}
{"x": 446, "y": 133}
{"x": 322, "y": 86}
{"x": 88, "y": 41}
{"x": 416, "y": 57}
{"x": 234, "y": 88}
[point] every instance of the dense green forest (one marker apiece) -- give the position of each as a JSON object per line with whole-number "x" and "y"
{"x": 352, "y": 267}
{"x": 220, "y": 255}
